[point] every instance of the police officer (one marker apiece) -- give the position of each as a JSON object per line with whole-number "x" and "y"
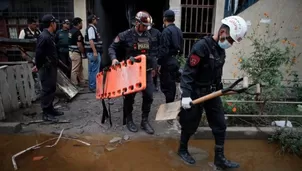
{"x": 46, "y": 61}
{"x": 93, "y": 49}
{"x": 136, "y": 41}
{"x": 155, "y": 38}
{"x": 31, "y": 32}
{"x": 202, "y": 75}
{"x": 62, "y": 41}
{"x": 170, "y": 46}
{"x": 76, "y": 52}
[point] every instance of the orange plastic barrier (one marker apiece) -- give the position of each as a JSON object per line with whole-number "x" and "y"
{"x": 126, "y": 78}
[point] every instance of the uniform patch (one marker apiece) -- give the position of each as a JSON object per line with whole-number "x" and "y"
{"x": 79, "y": 37}
{"x": 194, "y": 60}
{"x": 69, "y": 35}
{"x": 117, "y": 39}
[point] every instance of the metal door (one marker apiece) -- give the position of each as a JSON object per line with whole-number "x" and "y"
{"x": 197, "y": 20}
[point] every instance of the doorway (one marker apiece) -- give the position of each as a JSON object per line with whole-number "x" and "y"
{"x": 116, "y": 16}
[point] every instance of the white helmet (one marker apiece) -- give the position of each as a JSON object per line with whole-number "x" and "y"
{"x": 151, "y": 21}
{"x": 238, "y": 27}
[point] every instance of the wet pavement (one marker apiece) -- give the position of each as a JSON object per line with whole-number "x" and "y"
{"x": 139, "y": 154}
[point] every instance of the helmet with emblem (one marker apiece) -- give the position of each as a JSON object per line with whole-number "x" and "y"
{"x": 149, "y": 27}
{"x": 143, "y": 17}
{"x": 238, "y": 27}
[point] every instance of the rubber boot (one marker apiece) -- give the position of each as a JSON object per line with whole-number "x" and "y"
{"x": 130, "y": 124}
{"x": 145, "y": 125}
{"x": 221, "y": 162}
{"x": 49, "y": 117}
{"x": 183, "y": 149}
{"x": 55, "y": 112}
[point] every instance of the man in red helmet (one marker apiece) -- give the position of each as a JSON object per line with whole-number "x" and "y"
{"x": 134, "y": 42}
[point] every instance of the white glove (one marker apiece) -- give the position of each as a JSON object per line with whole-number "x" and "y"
{"x": 185, "y": 102}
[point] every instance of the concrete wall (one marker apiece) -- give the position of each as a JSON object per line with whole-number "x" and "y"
{"x": 175, "y": 5}
{"x": 279, "y": 11}
{"x": 80, "y": 11}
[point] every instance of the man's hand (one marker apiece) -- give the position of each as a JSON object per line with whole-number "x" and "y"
{"x": 95, "y": 55}
{"x": 186, "y": 102}
{"x": 114, "y": 62}
{"x": 153, "y": 72}
{"x": 34, "y": 69}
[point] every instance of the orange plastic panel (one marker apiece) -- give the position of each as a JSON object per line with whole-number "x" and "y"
{"x": 125, "y": 78}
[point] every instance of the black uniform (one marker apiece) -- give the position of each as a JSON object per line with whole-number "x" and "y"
{"x": 30, "y": 35}
{"x": 171, "y": 44}
{"x": 97, "y": 41}
{"x": 75, "y": 36}
{"x": 62, "y": 41}
{"x": 130, "y": 40}
{"x": 46, "y": 62}
{"x": 202, "y": 75}
{"x": 155, "y": 46}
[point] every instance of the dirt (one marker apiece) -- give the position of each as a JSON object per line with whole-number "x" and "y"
{"x": 138, "y": 154}
{"x": 84, "y": 113}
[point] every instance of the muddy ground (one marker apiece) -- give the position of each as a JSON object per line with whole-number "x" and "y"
{"x": 147, "y": 154}
{"x": 84, "y": 113}
{"x": 142, "y": 152}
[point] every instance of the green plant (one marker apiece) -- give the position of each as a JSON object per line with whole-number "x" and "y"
{"x": 181, "y": 60}
{"x": 269, "y": 54}
{"x": 289, "y": 139}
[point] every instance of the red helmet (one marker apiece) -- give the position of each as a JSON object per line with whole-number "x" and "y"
{"x": 144, "y": 18}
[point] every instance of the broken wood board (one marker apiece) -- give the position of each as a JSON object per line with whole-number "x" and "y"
{"x": 16, "y": 84}
{"x": 2, "y": 113}
{"x": 4, "y": 90}
{"x": 31, "y": 82}
{"x": 20, "y": 87}
{"x": 65, "y": 85}
{"x": 11, "y": 80}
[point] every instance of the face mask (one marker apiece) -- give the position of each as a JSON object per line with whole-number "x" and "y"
{"x": 225, "y": 44}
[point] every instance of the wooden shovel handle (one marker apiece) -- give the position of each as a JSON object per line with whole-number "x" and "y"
{"x": 211, "y": 96}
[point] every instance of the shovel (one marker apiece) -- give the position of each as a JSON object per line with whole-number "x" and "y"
{"x": 171, "y": 110}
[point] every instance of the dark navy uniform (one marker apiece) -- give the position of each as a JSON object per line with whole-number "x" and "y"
{"x": 202, "y": 75}
{"x": 155, "y": 34}
{"x": 134, "y": 45}
{"x": 47, "y": 61}
{"x": 62, "y": 41}
{"x": 171, "y": 44}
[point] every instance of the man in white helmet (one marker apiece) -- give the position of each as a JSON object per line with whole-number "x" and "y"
{"x": 202, "y": 75}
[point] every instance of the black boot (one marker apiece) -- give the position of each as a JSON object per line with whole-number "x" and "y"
{"x": 57, "y": 113}
{"x": 130, "y": 124}
{"x": 183, "y": 149}
{"x": 145, "y": 125}
{"x": 49, "y": 117}
{"x": 221, "y": 162}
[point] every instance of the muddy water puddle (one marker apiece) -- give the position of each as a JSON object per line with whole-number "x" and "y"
{"x": 148, "y": 154}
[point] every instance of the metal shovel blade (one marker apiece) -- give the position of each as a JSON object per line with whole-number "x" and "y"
{"x": 168, "y": 111}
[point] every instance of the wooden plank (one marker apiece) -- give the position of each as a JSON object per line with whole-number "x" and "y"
{"x": 2, "y": 113}
{"x": 13, "y": 63}
{"x": 12, "y": 87}
{"x": 31, "y": 83}
{"x": 20, "y": 87}
{"x": 64, "y": 84}
{"x": 27, "y": 90}
{"x": 4, "y": 90}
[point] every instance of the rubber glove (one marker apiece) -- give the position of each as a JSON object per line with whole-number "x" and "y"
{"x": 185, "y": 102}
